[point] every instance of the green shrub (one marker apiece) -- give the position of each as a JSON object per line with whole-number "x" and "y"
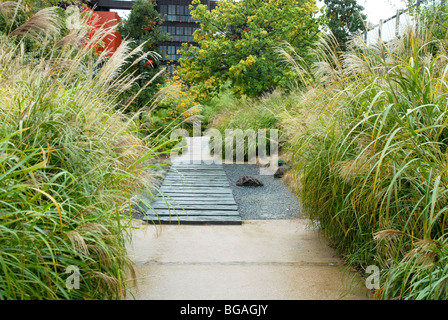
{"x": 226, "y": 112}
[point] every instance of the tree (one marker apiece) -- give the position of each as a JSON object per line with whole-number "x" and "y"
{"x": 344, "y": 18}
{"x": 142, "y": 26}
{"x": 237, "y": 44}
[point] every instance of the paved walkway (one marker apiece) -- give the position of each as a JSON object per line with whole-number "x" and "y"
{"x": 270, "y": 259}
{"x": 275, "y": 259}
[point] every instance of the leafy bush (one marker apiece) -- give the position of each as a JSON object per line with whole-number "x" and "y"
{"x": 236, "y": 41}
{"x": 174, "y": 107}
{"x": 227, "y": 112}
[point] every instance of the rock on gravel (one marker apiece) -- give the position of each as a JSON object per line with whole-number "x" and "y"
{"x": 271, "y": 201}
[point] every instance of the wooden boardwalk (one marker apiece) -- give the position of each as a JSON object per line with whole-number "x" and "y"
{"x": 195, "y": 193}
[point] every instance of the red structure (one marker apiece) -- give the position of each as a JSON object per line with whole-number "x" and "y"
{"x": 106, "y": 19}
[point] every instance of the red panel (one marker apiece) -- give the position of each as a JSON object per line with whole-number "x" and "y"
{"x": 108, "y": 19}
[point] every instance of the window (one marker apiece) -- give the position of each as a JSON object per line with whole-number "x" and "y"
{"x": 179, "y": 30}
{"x": 163, "y": 10}
{"x": 171, "y": 9}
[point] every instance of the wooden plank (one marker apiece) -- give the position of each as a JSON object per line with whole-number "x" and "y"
{"x": 222, "y": 220}
{"x": 192, "y": 188}
{"x": 173, "y": 213}
{"x": 187, "y": 170}
{"x": 198, "y": 173}
{"x": 195, "y": 206}
{"x": 200, "y": 179}
{"x": 196, "y": 181}
{"x": 195, "y": 194}
{"x": 190, "y": 183}
{"x": 195, "y": 176}
{"x": 200, "y": 182}
{"x": 195, "y": 189}
{"x": 195, "y": 201}
{"x": 206, "y": 182}
{"x": 189, "y": 180}
{"x": 195, "y": 165}
{"x": 205, "y": 169}
{"x": 196, "y": 185}
{"x": 200, "y": 199}
{"x": 201, "y": 207}
{"x": 192, "y": 197}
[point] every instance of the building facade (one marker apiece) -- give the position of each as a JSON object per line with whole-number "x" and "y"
{"x": 177, "y": 22}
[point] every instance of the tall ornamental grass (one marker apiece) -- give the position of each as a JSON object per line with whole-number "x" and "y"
{"x": 370, "y": 158}
{"x": 69, "y": 161}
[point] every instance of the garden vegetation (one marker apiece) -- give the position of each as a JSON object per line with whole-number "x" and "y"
{"x": 367, "y": 140}
{"x": 364, "y": 129}
{"x": 70, "y": 160}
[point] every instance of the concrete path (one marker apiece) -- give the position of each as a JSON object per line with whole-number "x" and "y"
{"x": 271, "y": 259}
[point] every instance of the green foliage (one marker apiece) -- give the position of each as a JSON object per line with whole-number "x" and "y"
{"x": 142, "y": 27}
{"x": 344, "y": 18}
{"x": 436, "y": 12}
{"x": 227, "y": 112}
{"x": 173, "y": 107}
{"x": 7, "y": 23}
{"x": 40, "y": 4}
{"x": 369, "y": 147}
{"x": 237, "y": 41}
{"x": 217, "y": 106}
{"x": 69, "y": 165}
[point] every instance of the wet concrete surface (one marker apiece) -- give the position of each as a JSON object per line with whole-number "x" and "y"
{"x": 261, "y": 259}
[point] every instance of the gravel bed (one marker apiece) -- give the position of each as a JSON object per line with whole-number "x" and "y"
{"x": 271, "y": 201}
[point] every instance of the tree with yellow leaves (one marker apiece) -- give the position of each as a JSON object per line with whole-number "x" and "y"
{"x": 237, "y": 43}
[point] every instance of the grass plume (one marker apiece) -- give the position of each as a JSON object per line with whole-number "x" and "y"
{"x": 69, "y": 162}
